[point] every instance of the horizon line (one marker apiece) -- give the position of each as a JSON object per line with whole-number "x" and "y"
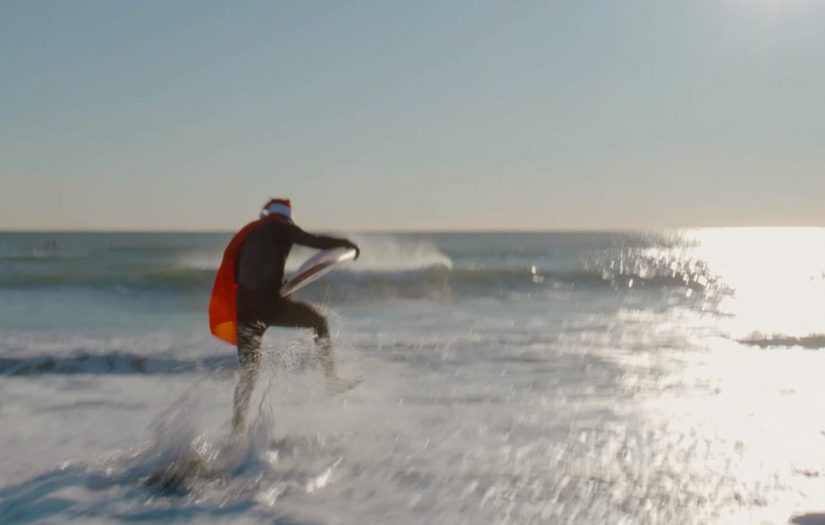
{"x": 421, "y": 231}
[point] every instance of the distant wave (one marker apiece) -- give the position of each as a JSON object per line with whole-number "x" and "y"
{"x": 112, "y": 363}
{"x": 426, "y": 281}
{"x": 814, "y": 341}
{"x": 389, "y": 267}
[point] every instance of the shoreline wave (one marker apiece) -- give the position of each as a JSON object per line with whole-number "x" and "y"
{"x": 810, "y": 342}
{"x": 113, "y": 363}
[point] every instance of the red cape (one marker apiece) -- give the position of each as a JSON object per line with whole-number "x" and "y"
{"x": 223, "y": 321}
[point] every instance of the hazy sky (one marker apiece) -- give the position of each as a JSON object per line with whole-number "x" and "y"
{"x": 412, "y": 115}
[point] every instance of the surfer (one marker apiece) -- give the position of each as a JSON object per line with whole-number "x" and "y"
{"x": 245, "y": 299}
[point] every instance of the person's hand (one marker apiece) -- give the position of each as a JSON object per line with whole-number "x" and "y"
{"x": 355, "y": 247}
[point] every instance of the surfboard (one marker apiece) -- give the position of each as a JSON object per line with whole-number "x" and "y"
{"x": 316, "y": 267}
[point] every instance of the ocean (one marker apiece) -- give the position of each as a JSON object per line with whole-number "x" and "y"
{"x": 658, "y": 377}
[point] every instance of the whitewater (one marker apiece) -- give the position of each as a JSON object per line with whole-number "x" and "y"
{"x": 624, "y": 377}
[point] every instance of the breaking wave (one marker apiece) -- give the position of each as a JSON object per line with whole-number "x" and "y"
{"x": 387, "y": 254}
{"x": 379, "y": 254}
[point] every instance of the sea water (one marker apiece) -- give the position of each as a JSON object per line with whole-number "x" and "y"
{"x": 663, "y": 377}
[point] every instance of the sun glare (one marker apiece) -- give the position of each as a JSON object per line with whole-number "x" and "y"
{"x": 772, "y": 292}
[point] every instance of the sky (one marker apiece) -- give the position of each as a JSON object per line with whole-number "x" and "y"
{"x": 425, "y": 115}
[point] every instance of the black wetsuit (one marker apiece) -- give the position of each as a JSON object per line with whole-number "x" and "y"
{"x": 260, "y": 274}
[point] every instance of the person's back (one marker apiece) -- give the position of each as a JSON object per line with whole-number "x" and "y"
{"x": 262, "y": 258}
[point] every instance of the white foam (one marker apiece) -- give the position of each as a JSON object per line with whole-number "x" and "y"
{"x": 201, "y": 260}
{"x": 389, "y": 254}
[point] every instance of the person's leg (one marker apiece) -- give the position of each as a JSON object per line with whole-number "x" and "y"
{"x": 301, "y": 315}
{"x": 249, "y": 358}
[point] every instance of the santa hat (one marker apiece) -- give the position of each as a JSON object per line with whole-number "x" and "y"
{"x": 281, "y": 207}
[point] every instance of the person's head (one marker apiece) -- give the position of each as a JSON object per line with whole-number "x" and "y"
{"x": 281, "y": 207}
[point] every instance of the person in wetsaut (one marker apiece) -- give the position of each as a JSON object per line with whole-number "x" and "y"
{"x": 245, "y": 299}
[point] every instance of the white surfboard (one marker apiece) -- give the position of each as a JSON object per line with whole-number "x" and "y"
{"x": 315, "y": 267}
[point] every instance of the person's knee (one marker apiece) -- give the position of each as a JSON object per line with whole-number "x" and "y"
{"x": 249, "y": 332}
{"x": 249, "y": 343}
{"x": 321, "y": 328}
{"x": 248, "y": 360}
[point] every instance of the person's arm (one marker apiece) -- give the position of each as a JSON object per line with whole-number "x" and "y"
{"x": 321, "y": 242}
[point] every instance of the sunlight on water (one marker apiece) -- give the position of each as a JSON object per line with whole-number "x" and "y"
{"x": 764, "y": 283}
{"x": 776, "y": 276}
{"x": 756, "y": 413}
